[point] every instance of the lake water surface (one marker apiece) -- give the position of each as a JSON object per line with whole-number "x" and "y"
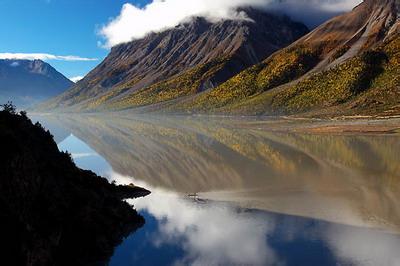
{"x": 223, "y": 194}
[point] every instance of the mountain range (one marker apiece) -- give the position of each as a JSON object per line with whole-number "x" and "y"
{"x": 264, "y": 65}
{"x": 28, "y": 82}
{"x": 191, "y": 58}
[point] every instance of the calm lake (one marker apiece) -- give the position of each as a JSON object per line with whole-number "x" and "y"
{"x": 227, "y": 194}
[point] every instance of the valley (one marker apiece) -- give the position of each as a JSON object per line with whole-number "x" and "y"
{"x": 201, "y": 132}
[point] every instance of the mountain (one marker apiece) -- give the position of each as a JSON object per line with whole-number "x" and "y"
{"x": 193, "y": 57}
{"x": 27, "y": 82}
{"x": 350, "y": 65}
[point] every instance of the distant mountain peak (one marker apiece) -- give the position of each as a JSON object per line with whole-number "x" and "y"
{"x": 40, "y": 67}
{"x": 26, "y": 82}
{"x": 34, "y": 66}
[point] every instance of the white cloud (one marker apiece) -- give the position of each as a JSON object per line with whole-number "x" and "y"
{"x": 364, "y": 247}
{"x": 83, "y": 155}
{"x": 135, "y": 22}
{"x": 313, "y": 12}
{"x": 209, "y": 234}
{"x": 76, "y": 79}
{"x": 338, "y": 6}
{"x": 14, "y": 64}
{"x": 42, "y": 56}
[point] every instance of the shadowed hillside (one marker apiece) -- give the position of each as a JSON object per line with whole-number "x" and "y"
{"x": 27, "y": 82}
{"x": 53, "y": 213}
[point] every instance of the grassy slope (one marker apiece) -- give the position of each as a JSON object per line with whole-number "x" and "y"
{"x": 283, "y": 67}
{"x": 188, "y": 83}
{"x": 366, "y": 84}
{"x": 279, "y": 69}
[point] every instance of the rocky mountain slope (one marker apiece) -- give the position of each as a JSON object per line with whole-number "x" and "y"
{"x": 193, "y": 57}
{"x": 349, "y": 65}
{"x": 27, "y": 82}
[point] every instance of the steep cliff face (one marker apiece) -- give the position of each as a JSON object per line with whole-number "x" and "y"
{"x": 339, "y": 68}
{"x": 27, "y": 82}
{"x": 204, "y": 53}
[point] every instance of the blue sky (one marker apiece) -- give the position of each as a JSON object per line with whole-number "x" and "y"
{"x": 59, "y": 27}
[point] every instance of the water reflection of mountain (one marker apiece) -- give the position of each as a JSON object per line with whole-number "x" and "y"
{"x": 347, "y": 179}
{"x": 58, "y": 131}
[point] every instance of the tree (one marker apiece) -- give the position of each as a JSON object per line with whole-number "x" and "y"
{"x": 9, "y": 107}
{"x": 23, "y": 114}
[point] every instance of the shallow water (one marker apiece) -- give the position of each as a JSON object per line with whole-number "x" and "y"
{"x": 223, "y": 194}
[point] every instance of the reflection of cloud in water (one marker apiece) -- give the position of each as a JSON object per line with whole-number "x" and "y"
{"x": 362, "y": 247}
{"x": 211, "y": 234}
{"x": 83, "y": 155}
{"x": 218, "y": 233}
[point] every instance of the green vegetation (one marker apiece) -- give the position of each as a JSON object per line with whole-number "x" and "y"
{"x": 332, "y": 87}
{"x": 281, "y": 68}
{"x": 277, "y": 70}
{"x": 366, "y": 84}
{"x": 339, "y": 52}
{"x": 383, "y": 97}
{"x": 188, "y": 83}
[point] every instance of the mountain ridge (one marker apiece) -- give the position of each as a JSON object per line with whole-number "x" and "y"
{"x": 233, "y": 45}
{"x": 26, "y": 82}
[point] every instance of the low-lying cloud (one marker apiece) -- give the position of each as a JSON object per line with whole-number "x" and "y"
{"x": 136, "y": 22}
{"x": 313, "y": 12}
{"x": 44, "y": 57}
{"x": 76, "y": 79}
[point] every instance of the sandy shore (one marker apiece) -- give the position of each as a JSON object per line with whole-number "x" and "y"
{"x": 348, "y": 125}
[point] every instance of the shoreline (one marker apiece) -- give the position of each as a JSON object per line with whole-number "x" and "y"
{"x": 284, "y": 124}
